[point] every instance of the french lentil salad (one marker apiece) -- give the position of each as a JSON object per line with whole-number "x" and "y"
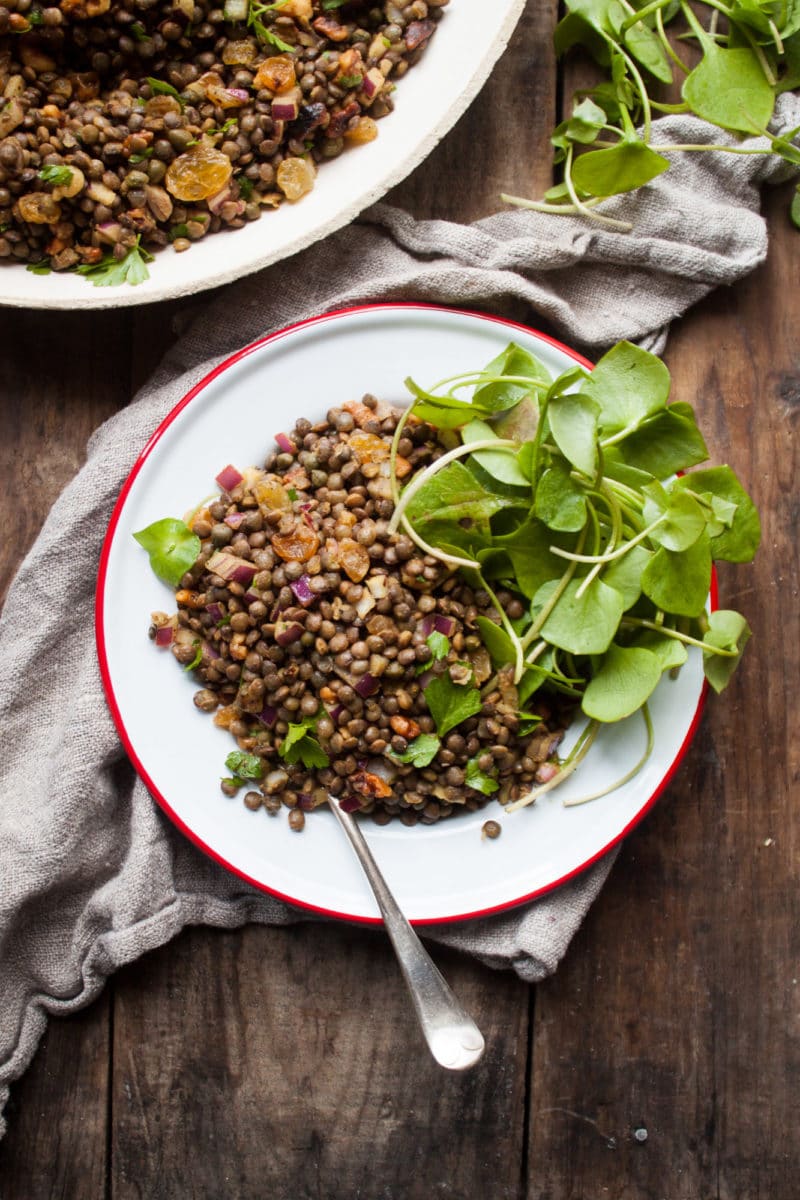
{"x": 403, "y": 608}
{"x": 127, "y": 125}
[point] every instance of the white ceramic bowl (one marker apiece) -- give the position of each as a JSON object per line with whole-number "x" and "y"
{"x": 430, "y": 98}
{"x": 440, "y": 872}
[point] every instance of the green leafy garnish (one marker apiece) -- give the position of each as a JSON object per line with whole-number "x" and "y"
{"x": 198, "y": 658}
{"x": 300, "y": 745}
{"x": 160, "y": 87}
{"x": 740, "y": 65}
{"x": 139, "y": 32}
{"x": 451, "y": 703}
{"x": 172, "y": 547}
{"x": 421, "y": 752}
{"x": 113, "y": 272}
{"x": 479, "y": 780}
{"x": 141, "y": 156}
{"x": 58, "y": 176}
{"x": 604, "y": 549}
{"x": 246, "y": 186}
{"x": 350, "y": 81}
{"x": 245, "y": 766}
{"x": 42, "y": 267}
{"x": 255, "y": 12}
{"x": 178, "y": 231}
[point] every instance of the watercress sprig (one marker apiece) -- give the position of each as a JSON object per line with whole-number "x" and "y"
{"x": 577, "y": 496}
{"x": 748, "y": 53}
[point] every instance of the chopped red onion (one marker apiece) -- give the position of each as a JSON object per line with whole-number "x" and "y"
{"x": 210, "y": 651}
{"x": 305, "y": 801}
{"x": 425, "y": 679}
{"x": 349, "y": 804}
{"x": 335, "y": 713}
{"x": 302, "y": 591}
{"x": 215, "y": 612}
{"x": 164, "y": 635}
{"x": 241, "y": 95}
{"x": 287, "y": 632}
{"x": 219, "y": 198}
{"x": 268, "y": 716}
{"x": 228, "y": 478}
{"x": 234, "y": 520}
{"x": 285, "y": 443}
{"x": 232, "y": 568}
{"x": 436, "y": 622}
{"x": 251, "y": 597}
{"x": 373, "y": 82}
{"x": 287, "y": 106}
{"x": 367, "y": 685}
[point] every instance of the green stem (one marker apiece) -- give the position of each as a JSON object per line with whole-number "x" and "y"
{"x": 519, "y": 657}
{"x": 575, "y": 759}
{"x": 634, "y": 771}
{"x": 536, "y": 627}
{"x": 668, "y": 48}
{"x": 668, "y": 631}
{"x": 606, "y": 558}
{"x": 422, "y": 478}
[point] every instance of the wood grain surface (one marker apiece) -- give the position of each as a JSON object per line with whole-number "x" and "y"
{"x": 662, "y": 1061}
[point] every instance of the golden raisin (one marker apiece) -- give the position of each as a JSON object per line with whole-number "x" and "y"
{"x": 199, "y": 173}
{"x": 297, "y": 546}
{"x": 277, "y": 74}
{"x": 364, "y": 130}
{"x": 39, "y": 208}
{"x": 295, "y": 177}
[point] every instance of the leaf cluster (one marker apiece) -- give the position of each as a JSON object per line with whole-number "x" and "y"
{"x": 745, "y": 54}
{"x": 591, "y": 515}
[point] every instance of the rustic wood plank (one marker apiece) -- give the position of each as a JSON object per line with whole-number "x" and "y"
{"x": 61, "y": 375}
{"x": 56, "y": 1147}
{"x": 287, "y": 1063}
{"x": 671, "y": 1012}
{"x": 501, "y": 142}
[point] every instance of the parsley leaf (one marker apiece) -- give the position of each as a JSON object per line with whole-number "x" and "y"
{"x": 42, "y": 267}
{"x": 172, "y": 547}
{"x": 421, "y": 752}
{"x": 300, "y": 745}
{"x": 58, "y": 176}
{"x": 245, "y": 766}
{"x": 112, "y": 272}
{"x": 350, "y": 81}
{"x": 450, "y": 703}
{"x": 439, "y": 645}
{"x": 262, "y": 32}
{"x": 139, "y": 32}
{"x": 478, "y": 779}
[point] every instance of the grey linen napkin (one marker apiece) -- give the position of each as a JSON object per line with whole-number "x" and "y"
{"x": 93, "y": 875}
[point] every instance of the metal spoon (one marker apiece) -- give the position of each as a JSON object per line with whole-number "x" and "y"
{"x": 453, "y": 1038}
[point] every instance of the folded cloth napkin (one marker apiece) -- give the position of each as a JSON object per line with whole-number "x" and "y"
{"x": 93, "y": 874}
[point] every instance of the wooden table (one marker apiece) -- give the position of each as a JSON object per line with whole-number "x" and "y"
{"x": 661, "y": 1062}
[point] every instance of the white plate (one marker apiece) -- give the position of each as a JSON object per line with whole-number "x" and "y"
{"x": 430, "y": 99}
{"x": 440, "y": 872}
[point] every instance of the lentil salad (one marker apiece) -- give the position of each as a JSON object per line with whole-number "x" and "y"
{"x": 320, "y": 638}
{"x": 125, "y": 127}
{"x": 403, "y": 608}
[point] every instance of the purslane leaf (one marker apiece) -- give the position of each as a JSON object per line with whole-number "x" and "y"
{"x": 729, "y": 631}
{"x": 629, "y": 385}
{"x": 583, "y": 624}
{"x": 622, "y": 683}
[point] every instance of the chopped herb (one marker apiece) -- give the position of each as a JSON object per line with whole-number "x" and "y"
{"x": 58, "y": 176}
{"x": 113, "y": 272}
{"x": 233, "y": 781}
{"x": 172, "y": 547}
{"x": 300, "y": 745}
{"x": 160, "y": 87}
{"x": 42, "y": 267}
{"x": 255, "y": 12}
{"x": 141, "y": 155}
{"x": 246, "y": 187}
{"x": 245, "y": 766}
{"x": 178, "y": 231}
{"x": 478, "y": 779}
{"x": 350, "y": 81}
{"x": 451, "y": 703}
{"x": 198, "y": 658}
{"x": 330, "y": 5}
{"x": 292, "y": 494}
{"x": 439, "y": 645}
{"x": 35, "y": 18}
{"x": 421, "y": 752}
{"x": 139, "y": 32}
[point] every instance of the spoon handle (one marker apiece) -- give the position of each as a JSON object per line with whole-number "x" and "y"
{"x": 453, "y": 1037}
